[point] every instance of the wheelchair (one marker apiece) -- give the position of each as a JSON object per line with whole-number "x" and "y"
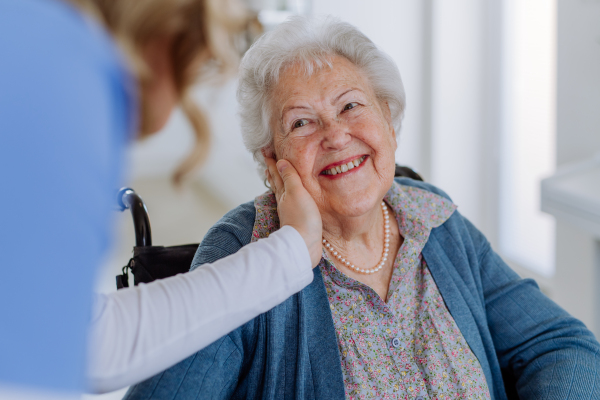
{"x": 149, "y": 262}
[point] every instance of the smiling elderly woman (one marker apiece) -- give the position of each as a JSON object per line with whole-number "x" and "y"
{"x": 409, "y": 301}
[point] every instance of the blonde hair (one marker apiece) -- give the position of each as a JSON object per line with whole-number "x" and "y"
{"x": 202, "y": 32}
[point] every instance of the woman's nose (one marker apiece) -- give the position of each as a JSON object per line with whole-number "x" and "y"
{"x": 336, "y": 135}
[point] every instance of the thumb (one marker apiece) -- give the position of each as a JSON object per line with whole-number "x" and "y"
{"x": 288, "y": 173}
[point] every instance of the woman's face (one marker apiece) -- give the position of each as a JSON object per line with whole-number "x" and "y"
{"x": 328, "y": 121}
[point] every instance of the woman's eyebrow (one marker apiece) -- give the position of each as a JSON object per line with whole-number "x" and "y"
{"x": 343, "y": 93}
{"x": 290, "y": 108}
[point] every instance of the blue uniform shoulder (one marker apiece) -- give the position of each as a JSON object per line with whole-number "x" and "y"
{"x": 65, "y": 116}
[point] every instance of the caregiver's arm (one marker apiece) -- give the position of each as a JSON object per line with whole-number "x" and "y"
{"x": 141, "y": 331}
{"x": 550, "y": 353}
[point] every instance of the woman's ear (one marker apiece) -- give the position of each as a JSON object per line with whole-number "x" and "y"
{"x": 387, "y": 114}
{"x": 268, "y": 152}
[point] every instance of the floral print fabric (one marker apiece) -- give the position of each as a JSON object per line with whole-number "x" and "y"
{"x": 408, "y": 347}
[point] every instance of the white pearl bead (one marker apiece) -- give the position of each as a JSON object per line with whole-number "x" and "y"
{"x": 335, "y": 253}
{"x": 387, "y": 245}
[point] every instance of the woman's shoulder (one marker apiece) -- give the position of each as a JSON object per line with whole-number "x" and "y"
{"x": 232, "y": 232}
{"x": 422, "y": 185}
{"x": 456, "y": 223}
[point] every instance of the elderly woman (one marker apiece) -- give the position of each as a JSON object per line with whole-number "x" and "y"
{"x": 409, "y": 300}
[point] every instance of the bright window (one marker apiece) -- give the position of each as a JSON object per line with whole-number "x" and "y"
{"x": 528, "y": 133}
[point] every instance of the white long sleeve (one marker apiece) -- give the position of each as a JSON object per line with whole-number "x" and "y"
{"x": 138, "y": 332}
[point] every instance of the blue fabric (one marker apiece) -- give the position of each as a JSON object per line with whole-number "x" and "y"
{"x": 65, "y": 117}
{"x": 528, "y": 347}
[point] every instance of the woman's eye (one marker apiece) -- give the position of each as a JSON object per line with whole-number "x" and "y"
{"x": 350, "y": 106}
{"x": 300, "y": 123}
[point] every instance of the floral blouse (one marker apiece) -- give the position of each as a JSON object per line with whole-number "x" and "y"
{"x": 408, "y": 347}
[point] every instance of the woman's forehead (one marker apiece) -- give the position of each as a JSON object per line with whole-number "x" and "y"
{"x": 326, "y": 82}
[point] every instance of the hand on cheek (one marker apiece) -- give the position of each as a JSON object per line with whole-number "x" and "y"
{"x": 295, "y": 206}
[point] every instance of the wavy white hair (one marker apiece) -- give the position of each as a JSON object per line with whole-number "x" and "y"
{"x": 310, "y": 41}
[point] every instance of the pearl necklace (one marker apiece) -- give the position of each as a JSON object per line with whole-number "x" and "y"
{"x": 386, "y": 247}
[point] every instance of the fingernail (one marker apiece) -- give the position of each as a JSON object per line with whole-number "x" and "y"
{"x": 281, "y": 166}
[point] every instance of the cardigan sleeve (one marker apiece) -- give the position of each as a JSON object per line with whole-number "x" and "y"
{"x": 545, "y": 351}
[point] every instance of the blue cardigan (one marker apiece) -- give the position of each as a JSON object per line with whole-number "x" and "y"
{"x": 528, "y": 347}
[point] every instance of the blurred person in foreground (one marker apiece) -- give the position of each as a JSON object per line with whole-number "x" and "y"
{"x": 78, "y": 82}
{"x": 409, "y": 301}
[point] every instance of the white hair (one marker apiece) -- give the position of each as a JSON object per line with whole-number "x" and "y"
{"x": 309, "y": 41}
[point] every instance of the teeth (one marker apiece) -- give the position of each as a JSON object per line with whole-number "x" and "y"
{"x": 345, "y": 167}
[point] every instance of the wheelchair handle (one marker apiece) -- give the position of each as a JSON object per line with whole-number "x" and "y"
{"x": 127, "y": 198}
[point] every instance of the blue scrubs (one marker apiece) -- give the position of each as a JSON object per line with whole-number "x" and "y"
{"x": 66, "y": 107}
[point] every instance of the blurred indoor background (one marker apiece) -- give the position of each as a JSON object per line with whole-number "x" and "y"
{"x": 501, "y": 94}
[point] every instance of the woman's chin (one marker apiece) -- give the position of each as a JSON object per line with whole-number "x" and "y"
{"x": 352, "y": 206}
{"x": 355, "y": 194}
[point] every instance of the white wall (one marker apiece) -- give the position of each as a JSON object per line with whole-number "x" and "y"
{"x": 457, "y": 98}
{"x": 578, "y": 90}
{"x": 578, "y": 138}
{"x": 528, "y": 140}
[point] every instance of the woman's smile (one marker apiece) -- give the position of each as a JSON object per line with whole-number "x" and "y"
{"x": 345, "y": 167}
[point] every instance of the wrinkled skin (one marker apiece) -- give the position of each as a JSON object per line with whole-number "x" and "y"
{"x": 326, "y": 118}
